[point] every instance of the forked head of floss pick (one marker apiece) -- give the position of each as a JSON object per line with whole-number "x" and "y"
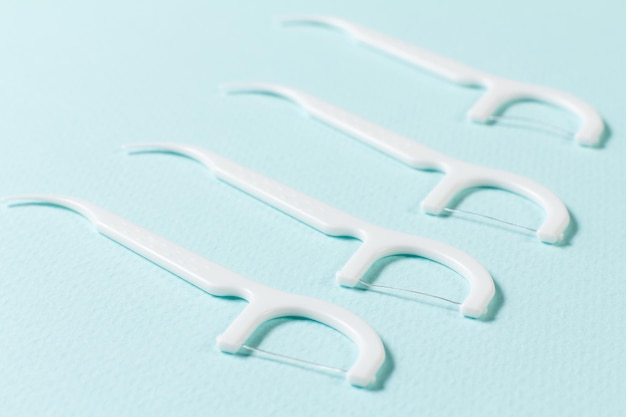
{"x": 378, "y": 242}
{"x": 264, "y": 303}
{"x": 459, "y": 176}
{"x": 500, "y": 93}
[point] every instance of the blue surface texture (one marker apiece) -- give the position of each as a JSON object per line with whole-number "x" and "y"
{"x": 91, "y": 329}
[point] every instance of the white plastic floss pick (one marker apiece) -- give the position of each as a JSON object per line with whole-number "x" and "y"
{"x": 500, "y": 92}
{"x": 264, "y": 303}
{"x": 459, "y": 175}
{"x": 378, "y": 242}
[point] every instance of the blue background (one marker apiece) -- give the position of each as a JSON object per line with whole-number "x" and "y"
{"x": 89, "y": 328}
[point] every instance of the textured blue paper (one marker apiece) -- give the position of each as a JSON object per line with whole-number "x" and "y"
{"x": 89, "y": 328}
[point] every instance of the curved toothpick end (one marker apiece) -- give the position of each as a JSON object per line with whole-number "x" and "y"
{"x": 328, "y": 22}
{"x": 173, "y": 148}
{"x": 8, "y": 201}
{"x": 229, "y": 88}
{"x": 24, "y": 199}
{"x": 149, "y": 147}
{"x": 224, "y": 89}
{"x": 292, "y": 20}
{"x": 267, "y": 89}
{"x": 11, "y": 199}
{"x": 242, "y": 88}
{"x": 298, "y": 19}
{"x": 134, "y": 147}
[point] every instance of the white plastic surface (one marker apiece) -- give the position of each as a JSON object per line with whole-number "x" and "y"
{"x": 500, "y": 92}
{"x": 265, "y": 303}
{"x": 378, "y": 242}
{"x": 460, "y": 176}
